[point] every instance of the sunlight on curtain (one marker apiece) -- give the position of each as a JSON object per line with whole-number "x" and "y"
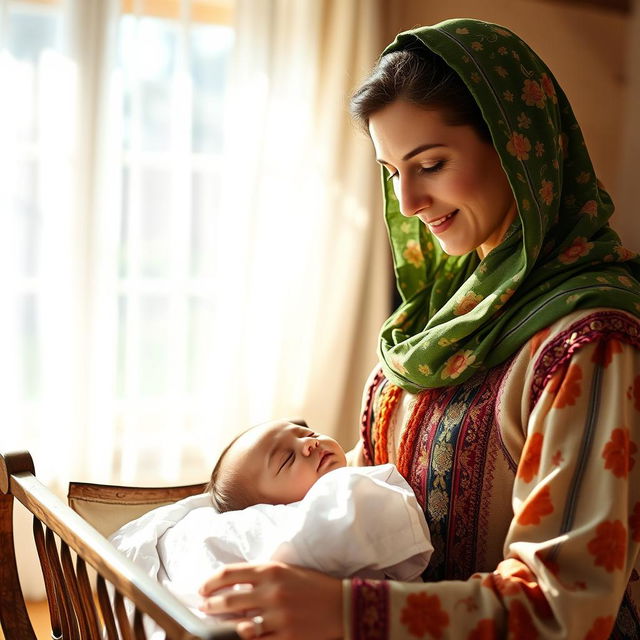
{"x": 187, "y": 236}
{"x": 38, "y": 165}
{"x": 156, "y": 296}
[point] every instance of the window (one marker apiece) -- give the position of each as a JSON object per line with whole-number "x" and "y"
{"x": 109, "y": 328}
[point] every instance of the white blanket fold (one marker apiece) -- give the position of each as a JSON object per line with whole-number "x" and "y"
{"x": 361, "y": 521}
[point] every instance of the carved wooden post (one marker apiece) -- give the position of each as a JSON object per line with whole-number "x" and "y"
{"x": 13, "y": 610}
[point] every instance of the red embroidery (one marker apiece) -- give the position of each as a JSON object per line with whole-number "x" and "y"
{"x": 596, "y": 326}
{"x": 369, "y": 609}
{"x": 391, "y": 395}
{"x": 365, "y": 420}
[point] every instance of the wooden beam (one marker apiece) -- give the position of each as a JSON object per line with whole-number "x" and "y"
{"x": 618, "y": 6}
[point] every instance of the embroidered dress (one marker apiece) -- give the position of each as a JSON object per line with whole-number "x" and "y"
{"x": 515, "y": 470}
{"x": 509, "y": 388}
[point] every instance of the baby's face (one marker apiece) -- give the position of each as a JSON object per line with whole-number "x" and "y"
{"x": 282, "y": 460}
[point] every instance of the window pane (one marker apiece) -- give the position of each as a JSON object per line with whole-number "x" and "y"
{"x": 154, "y": 345}
{"x": 200, "y": 364}
{"x": 148, "y": 50}
{"x": 31, "y": 32}
{"x": 210, "y": 53}
{"x": 205, "y": 210}
{"x": 124, "y": 268}
{"x": 25, "y": 208}
{"x": 121, "y": 381}
{"x": 155, "y": 222}
{"x": 30, "y": 347}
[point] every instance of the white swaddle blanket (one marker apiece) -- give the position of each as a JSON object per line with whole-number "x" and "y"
{"x": 361, "y": 521}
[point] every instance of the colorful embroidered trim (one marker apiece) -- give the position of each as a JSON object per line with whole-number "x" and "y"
{"x": 411, "y": 432}
{"x": 388, "y": 402}
{"x": 596, "y": 326}
{"x": 367, "y": 418}
{"x": 370, "y": 609}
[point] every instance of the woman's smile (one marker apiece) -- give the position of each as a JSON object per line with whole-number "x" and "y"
{"x": 452, "y": 180}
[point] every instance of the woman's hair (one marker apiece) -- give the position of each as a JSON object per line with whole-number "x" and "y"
{"x": 421, "y": 77}
{"x": 227, "y": 487}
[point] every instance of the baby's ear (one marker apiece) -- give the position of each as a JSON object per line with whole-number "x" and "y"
{"x": 301, "y": 421}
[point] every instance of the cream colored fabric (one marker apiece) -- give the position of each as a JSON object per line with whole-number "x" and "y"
{"x": 308, "y": 246}
{"x": 559, "y": 495}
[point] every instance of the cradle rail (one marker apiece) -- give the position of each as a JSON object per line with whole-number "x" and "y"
{"x": 58, "y": 531}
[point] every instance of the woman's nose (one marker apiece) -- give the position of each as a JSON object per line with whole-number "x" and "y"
{"x": 412, "y": 198}
{"x": 309, "y": 445}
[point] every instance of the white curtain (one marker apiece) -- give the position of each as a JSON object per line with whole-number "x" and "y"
{"x": 119, "y": 370}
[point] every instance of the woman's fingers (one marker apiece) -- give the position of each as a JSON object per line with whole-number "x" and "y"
{"x": 288, "y": 601}
{"x": 228, "y": 576}
{"x": 230, "y": 601}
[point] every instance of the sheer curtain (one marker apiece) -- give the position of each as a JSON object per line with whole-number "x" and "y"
{"x": 191, "y": 239}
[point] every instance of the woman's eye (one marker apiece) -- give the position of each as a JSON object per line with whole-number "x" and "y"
{"x": 391, "y": 176}
{"x": 433, "y": 168}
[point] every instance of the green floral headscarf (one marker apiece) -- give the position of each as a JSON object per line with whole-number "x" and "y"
{"x": 459, "y": 314}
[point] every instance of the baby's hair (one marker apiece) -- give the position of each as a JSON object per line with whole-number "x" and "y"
{"x": 229, "y": 490}
{"x": 226, "y": 489}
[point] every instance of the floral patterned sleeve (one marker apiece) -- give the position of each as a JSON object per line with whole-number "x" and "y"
{"x": 570, "y": 556}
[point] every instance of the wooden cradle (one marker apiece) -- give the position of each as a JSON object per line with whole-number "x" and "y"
{"x": 60, "y": 533}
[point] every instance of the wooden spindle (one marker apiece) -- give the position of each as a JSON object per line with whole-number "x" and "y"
{"x": 88, "y": 601}
{"x": 105, "y": 608}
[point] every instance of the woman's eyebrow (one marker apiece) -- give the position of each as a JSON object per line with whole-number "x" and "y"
{"x": 416, "y": 151}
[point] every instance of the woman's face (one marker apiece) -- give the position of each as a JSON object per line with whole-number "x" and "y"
{"x": 446, "y": 175}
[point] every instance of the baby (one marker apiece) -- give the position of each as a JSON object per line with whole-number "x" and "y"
{"x": 272, "y": 463}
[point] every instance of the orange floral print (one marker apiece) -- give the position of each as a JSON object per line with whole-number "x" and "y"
{"x": 468, "y": 302}
{"x": 583, "y": 177}
{"x": 609, "y": 547}
{"x": 537, "y": 340}
{"x": 547, "y": 86}
{"x": 484, "y": 630}
{"x": 546, "y": 192}
{"x": 604, "y": 352}
{"x": 624, "y": 253}
{"x": 413, "y": 253}
{"x": 536, "y": 507}
{"x": 457, "y": 363}
{"x": 513, "y": 577}
{"x": 521, "y": 625}
{"x": 524, "y": 121}
{"x": 519, "y": 146}
{"x": 423, "y": 614}
{"x": 579, "y": 248}
{"x": 557, "y": 458}
{"x": 570, "y": 389}
{"x": 600, "y": 629}
{"x": 530, "y": 463}
{"x": 533, "y": 94}
{"x": 618, "y": 453}
{"x": 634, "y": 523}
{"x": 539, "y": 149}
{"x": 590, "y": 208}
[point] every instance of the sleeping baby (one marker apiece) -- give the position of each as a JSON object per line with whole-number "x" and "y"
{"x": 280, "y": 491}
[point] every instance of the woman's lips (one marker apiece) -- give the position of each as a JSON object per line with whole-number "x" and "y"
{"x": 442, "y": 224}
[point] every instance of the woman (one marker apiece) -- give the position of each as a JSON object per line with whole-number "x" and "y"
{"x": 508, "y": 393}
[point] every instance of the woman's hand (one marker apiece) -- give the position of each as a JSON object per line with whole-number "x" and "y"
{"x": 293, "y": 602}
